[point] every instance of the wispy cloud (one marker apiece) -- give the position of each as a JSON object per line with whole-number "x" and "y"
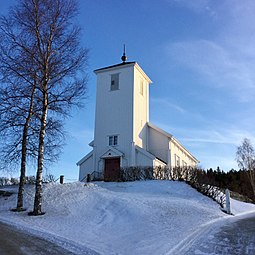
{"x": 217, "y": 66}
{"x": 226, "y": 59}
{"x": 212, "y": 136}
{"x": 83, "y": 135}
{"x": 215, "y": 135}
{"x": 165, "y": 104}
{"x": 218, "y": 136}
{"x": 195, "y": 5}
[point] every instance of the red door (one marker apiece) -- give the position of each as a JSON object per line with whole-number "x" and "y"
{"x": 112, "y": 169}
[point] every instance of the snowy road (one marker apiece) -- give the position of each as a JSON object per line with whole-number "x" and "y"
{"x": 235, "y": 238}
{"x": 15, "y": 242}
{"x": 132, "y": 218}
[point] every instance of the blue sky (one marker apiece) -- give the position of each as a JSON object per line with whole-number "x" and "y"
{"x": 200, "y": 56}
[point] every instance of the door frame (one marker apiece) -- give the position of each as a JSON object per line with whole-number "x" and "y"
{"x": 110, "y": 177}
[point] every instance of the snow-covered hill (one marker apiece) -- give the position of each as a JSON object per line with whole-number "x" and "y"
{"x": 147, "y": 217}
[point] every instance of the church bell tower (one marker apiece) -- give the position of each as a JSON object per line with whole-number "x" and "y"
{"x": 122, "y": 111}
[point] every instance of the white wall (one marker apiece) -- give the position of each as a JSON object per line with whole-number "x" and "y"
{"x": 114, "y": 111}
{"x": 141, "y": 108}
{"x": 143, "y": 160}
{"x": 158, "y": 163}
{"x": 161, "y": 146}
{"x": 158, "y": 144}
{"x": 86, "y": 168}
{"x": 182, "y": 154}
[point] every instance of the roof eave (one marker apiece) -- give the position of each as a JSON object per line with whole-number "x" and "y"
{"x": 121, "y": 65}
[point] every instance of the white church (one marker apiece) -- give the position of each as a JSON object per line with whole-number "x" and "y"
{"x": 123, "y": 135}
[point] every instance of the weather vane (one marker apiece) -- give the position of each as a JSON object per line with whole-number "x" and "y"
{"x": 124, "y": 57}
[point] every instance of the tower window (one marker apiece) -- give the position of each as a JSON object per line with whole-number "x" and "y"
{"x": 115, "y": 81}
{"x": 113, "y": 140}
{"x": 141, "y": 87}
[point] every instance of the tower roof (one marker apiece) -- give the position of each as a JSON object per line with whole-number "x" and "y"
{"x": 118, "y": 65}
{"x": 122, "y": 65}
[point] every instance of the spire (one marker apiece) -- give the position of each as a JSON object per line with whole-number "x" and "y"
{"x": 124, "y": 58}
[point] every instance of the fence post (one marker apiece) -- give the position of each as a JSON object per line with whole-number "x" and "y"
{"x": 228, "y": 211}
{"x": 61, "y": 180}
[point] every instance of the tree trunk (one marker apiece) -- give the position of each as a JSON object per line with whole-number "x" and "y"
{"x": 24, "y": 154}
{"x": 38, "y": 186}
{"x": 22, "y": 169}
{"x": 251, "y": 176}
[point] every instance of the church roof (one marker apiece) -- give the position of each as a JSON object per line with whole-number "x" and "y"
{"x": 85, "y": 158}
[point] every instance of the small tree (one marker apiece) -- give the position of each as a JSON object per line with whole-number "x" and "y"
{"x": 245, "y": 157}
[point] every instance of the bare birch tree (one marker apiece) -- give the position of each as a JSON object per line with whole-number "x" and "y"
{"x": 245, "y": 157}
{"x": 52, "y": 40}
{"x": 17, "y": 92}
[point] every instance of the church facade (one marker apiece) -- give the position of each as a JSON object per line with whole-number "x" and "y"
{"x": 123, "y": 135}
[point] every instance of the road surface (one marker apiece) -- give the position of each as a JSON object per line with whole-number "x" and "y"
{"x": 15, "y": 242}
{"x": 235, "y": 238}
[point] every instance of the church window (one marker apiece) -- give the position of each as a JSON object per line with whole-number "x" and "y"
{"x": 113, "y": 140}
{"x": 177, "y": 161}
{"x": 115, "y": 81}
{"x": 141, "y": 87}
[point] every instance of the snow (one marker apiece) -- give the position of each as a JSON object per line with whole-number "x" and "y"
{"x": 145, "y": 217}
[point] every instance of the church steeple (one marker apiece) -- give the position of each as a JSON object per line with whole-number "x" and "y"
{"x": 124, "y": 57}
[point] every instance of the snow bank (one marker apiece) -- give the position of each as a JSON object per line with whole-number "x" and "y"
{"x": 146, "y": 217}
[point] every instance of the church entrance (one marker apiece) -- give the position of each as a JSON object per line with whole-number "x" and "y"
{"x": 111, "y": 169}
